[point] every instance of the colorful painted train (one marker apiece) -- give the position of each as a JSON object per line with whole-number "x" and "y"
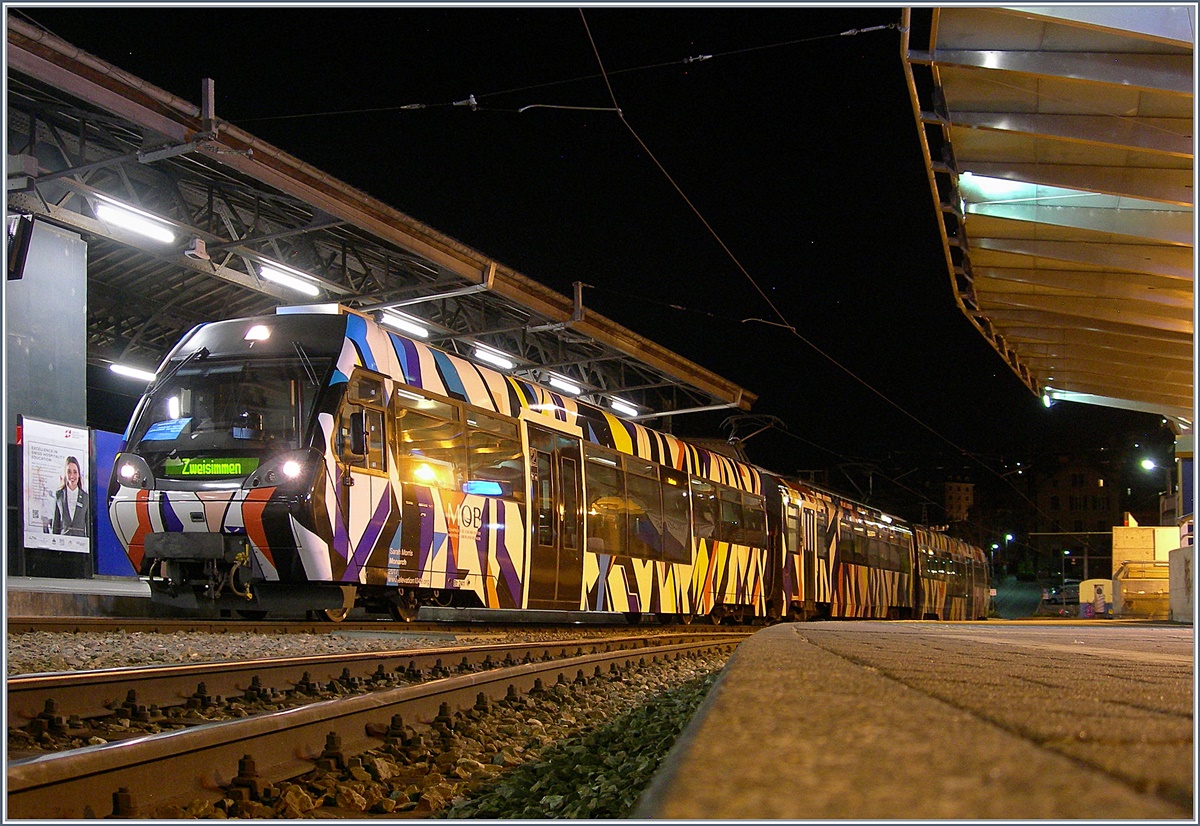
{"x": 313, "y": 460}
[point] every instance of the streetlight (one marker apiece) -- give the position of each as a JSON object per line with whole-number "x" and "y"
{"x": 1008, "y": 537}
{"x": 1150, "y": 465}
{"x": 1063, "y": 592}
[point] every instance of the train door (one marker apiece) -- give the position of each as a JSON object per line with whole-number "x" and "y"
{"x": 556, "y": 547}
{"x": 808, "y": 551}
{"x": 364, "y": 482}
{"x": 793, "y": 560}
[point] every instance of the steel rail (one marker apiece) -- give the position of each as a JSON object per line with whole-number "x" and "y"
{"x": 200, "y": 763}
{"x": 169, "y": 625}
{"x": 96, "y": 692}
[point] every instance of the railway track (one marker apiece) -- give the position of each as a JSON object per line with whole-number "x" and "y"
{"x": 205, "y": 761}
{"x": 96, "y": 693}
{"x": 168, "y": 625}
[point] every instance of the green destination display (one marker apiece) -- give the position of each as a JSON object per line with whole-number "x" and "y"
{"x": 216, "y": 466}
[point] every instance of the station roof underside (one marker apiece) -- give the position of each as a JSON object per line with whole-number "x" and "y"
{"x": 1059, "y": 148}
{"x": 82, "y": 131}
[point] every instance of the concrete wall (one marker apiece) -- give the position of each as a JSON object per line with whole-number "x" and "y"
{"x": 1183, "y": 585}
{"x": 45, "y": 318}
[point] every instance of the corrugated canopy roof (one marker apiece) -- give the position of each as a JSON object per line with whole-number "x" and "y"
{"x": 1059, "y": 147}
{"x": 82, "y": 132}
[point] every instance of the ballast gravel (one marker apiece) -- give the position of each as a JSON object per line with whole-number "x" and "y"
{"x": 48, "y": 652}
{"x": 581, "y": 749}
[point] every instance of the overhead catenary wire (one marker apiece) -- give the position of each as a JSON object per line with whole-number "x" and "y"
{"x": 783, "y": 321}
{"x": 473, "y": 99}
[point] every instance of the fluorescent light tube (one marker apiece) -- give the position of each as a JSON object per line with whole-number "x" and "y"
{"x": 624, "y": 408}
{"x": 404, "y": 324}
{"x": 131, "y": 372}
{"x": 565, "y": 385}
{"x": 134, "y": 222}
{"x": 287, "y": 280}
{"x": 493, "y": 358}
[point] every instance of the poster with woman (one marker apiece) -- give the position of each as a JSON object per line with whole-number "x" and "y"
{"x": 57, "y": 505}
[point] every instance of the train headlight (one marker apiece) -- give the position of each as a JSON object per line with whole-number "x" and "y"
{"x": 131, "y": 471}
{"x": 288, "y": 470}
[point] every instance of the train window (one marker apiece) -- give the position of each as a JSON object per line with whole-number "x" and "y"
{"x": 645, "y": 516}
{"x": 792, "y": 529}
{"x": 754, "y": 511}
{"x": 408, "y": 400}
{"x": 543, "y": 486}
{"x": 731, "y": 526}
{"x": 853, "y": 549}
{"x": 373, "y": 419}
{"x": 821, "y": 534}
{"x": 893, "y": 554}
{"x": 876, "y": 554}
{"x": 960, "y": 580}
{"x": 430, "y": 446}
{"x": 704, "y": 509}
{"x": 494, "y": 453}
{"x": 607, "y": 507}
{"x": 852, "y": 544}
{"x": 677, "y": 543}
{"x": 570, "y": 502}
{"x": 641, "y": 467}
{"x": 366, "y": 389}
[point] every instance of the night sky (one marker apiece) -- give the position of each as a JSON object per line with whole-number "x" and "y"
{"x": 795, "y": 142}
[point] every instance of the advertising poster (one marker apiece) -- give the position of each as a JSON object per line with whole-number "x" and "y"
{"x": 57, "y": 505}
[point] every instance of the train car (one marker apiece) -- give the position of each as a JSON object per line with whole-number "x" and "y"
{"x": 953, "y": 578}
{"x": 843, "y": 559}
{"x": 315, "y": 460}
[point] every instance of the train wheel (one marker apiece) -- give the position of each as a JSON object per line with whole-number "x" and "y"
{"x": 332, "y": 614}
{"x": 717, "y": 614}
{"x": 403, "y": 612}
{"x": 246, "y": 613}
{"x": 685, "y": 619}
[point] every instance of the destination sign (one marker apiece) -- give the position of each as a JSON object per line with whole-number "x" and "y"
{"x": 216, "y": 466}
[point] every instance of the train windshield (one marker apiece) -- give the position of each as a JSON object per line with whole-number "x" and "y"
{"x": 225, "y": 409}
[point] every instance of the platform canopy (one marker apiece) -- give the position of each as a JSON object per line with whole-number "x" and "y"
{"x": 1059, "y": 147}
{"x": 87, "y": 141}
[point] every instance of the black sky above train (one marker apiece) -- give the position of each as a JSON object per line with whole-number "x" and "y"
{"x": 789, "y": 129}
